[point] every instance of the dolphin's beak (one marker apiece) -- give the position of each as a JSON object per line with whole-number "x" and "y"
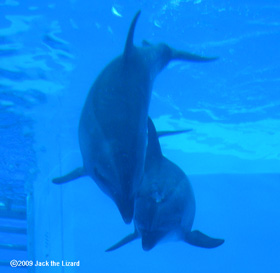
{"x": 148, "y": 241}
{"x": 126, "y": 208}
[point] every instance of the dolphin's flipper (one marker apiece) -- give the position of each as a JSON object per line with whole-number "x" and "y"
{"x": 129, "y": 40}
{"x": 129, "y": 238}
{"x": 185, "y": 56}
{"x": 77, "y": 173}
{"x": 154, "y": 149}
{"x": 146, "y": 43}
{"x": 171, "y": 133}
{"x": 197, "y": 238}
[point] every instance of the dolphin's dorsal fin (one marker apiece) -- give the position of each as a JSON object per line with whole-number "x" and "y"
{"x": 197, "y": 238}
{"x": 129, "y": 238}
{"x": 77, "y": 173}
{"x": 129, "y": 40}
{"x": 171, "y": 133}
{"x": 153, "y": 149}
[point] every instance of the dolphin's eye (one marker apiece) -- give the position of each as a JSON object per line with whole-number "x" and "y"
{"x": 98, "y": 175}
{"x": 158, "y": 197}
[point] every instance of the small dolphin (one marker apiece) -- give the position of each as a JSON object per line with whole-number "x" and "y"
{"x": 113, "y": 123}
{"x": 165, "y": 203}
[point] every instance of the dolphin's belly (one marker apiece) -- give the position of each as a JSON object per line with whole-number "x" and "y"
{"x": 113, "y": 130}
{"x": 116, "y": 112}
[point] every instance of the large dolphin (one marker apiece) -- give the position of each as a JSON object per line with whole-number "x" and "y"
{"x": 113, "y": 124}
{"x": 165, "y": 203}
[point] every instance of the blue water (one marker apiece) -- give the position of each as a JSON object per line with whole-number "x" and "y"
{"x": 50, "y": 54}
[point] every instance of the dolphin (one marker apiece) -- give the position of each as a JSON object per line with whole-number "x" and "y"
{"x": 113, "y": 123}
{"x": 165, "y": 203}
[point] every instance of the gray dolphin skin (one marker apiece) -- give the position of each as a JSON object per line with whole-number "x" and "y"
{"x": 113, "y": 123}
{"x": 165, "y": 203}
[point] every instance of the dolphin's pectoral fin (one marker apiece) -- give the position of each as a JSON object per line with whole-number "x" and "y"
{"x": 185, "y": 56}
{"x": 197, "y": 238}
{"x": 171, "y": 133}
{"x": 77, "y": 173}
{"x": 129, "y": 40}
{"x": 129, "y": 238}
{"x": 146, "y": 43}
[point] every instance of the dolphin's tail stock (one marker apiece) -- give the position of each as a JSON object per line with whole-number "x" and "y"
{"x": 197, "y": 238}
{"x": 129, "y": 238}
{"x": 185, "y": 56}
{"x": 77, "y": 173}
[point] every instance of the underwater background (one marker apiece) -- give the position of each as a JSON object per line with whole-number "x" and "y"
{"x": 51, "y": 53}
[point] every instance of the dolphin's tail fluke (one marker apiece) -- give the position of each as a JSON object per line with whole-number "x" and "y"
{"x": 197, "y": 238}
{"x": 77, "y": 173}
{"x": 129, "y": 238}
{"x": 185, "y": 56}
